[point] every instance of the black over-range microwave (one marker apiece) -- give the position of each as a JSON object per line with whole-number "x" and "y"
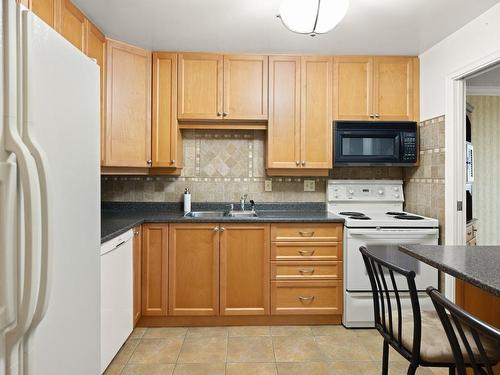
{"x": 368, "y": 143}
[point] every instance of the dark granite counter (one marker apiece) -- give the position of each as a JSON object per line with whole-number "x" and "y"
{"x": 117, "y": 218}
{"x": 477, "y": 265}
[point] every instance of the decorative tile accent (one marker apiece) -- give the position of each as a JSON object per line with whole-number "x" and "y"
{"x": 424, "y": 185}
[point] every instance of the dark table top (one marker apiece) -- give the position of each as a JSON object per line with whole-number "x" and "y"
{"x": 116, "y": 220}
{"x": 477, "y": 265}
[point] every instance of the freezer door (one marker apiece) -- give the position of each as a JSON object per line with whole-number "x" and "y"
{"x": 61, "y": 104}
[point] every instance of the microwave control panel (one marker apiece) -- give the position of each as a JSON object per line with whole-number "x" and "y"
{"x": 409, "y": 147}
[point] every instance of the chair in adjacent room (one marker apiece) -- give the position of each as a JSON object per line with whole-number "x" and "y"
{"x": 477, "y": 345}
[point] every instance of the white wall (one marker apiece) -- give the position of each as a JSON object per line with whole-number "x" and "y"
{"x": 475, "y": 41}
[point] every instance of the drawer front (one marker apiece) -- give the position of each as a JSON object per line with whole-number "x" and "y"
{"x": 306, "y": 297}
{"x": 304, "y": 232}
{"x": 306, "y": 251}
{"x": 306, "y": 270}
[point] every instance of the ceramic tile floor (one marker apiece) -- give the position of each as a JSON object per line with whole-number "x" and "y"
{"x": 283, "y": 350}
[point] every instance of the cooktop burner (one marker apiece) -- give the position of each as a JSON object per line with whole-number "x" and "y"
{"x": 362, "y": 217}
{"x": 352, "y": 213}
{"x": 408, "y": 217}
{"x": 395, "y": 213}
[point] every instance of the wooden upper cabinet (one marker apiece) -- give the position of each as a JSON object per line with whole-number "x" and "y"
{"x": 96, "y": 49}
{"x": 283, "y": 134}
{"x": 352, "y": 88}
{"x": 154, "y": 269}
{"x": 316, "y": 113}
{"x": 200, "y": 84}
{"x": 245, "y": 87}
{"x": 394, "y": 88}
{"x": 244, "y": 269}
{"x": 128, "y": 108}
{"x": 47, "y": 10}
{"x": 72, "y": 24}
{"x": 166, "y": 138}
{"x": 194, "y": 269}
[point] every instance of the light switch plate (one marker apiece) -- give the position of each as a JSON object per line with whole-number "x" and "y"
{"x": 309, "y": 185}
{"x": 268, "y": 185}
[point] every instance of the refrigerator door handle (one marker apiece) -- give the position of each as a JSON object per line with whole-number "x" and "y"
{"x": 28, "y": 176}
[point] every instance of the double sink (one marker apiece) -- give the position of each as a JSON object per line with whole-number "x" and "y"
{"x": 219, "y": 214}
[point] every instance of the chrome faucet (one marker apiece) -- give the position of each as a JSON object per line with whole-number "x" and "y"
{"x": 243, "y": 200}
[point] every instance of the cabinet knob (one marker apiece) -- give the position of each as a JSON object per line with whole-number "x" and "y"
{"x": 216, "y": 229}
{"x": 149, "y": 162}
{"x": 222, "y": 229}
{"x": 172, "y": 161}
{"x": 303, "y": 162}
{"x": 136, "y": 233}
{"x": 297, "y": 162}
{"x": 306, "y": 299}
{"x": 372, "y": 115}
{"x": 219, "y": 114}
{"x": 224, "y": 114}
{"x": 377, "y": 115}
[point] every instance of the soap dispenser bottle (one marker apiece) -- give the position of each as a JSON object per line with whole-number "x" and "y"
{"x": 187, "y": 201}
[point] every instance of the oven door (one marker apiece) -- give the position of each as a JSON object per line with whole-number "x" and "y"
{"x": 356, "y": 277}
{"x": 368, "y": 147}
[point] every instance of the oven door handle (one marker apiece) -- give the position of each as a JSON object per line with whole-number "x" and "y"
{"x": 386, "y": 232}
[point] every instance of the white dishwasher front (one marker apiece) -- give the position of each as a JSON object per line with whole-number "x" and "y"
{"x": 116, "y": 295}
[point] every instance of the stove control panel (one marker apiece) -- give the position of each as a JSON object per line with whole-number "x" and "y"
{"x": 365, "y": 191}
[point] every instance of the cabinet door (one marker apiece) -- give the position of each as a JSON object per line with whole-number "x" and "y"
{"x": 194, "y": 269}
{"x": 165, "y": 131}
{"x": 283, "y": 134}
{"x": 72, "y": 24}
{"x": 137, "y": 261}
{"x": 200, "y": 86}
{"x": 128, "y": 94}
{"x": 245, "y": 87}
{"x": 316, "y": 113}
{"x": 96, "y": 49}
{"x": 393, "y": 88}
{"x": 352, "y": 88}
{"x": 244, "y": 269}
{"x": 47, "y": 10}
{"x": 154, "y": 269}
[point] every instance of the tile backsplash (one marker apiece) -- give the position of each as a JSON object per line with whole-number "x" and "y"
{"x": 424, "y": 185}
{"x": 220, "y": 165}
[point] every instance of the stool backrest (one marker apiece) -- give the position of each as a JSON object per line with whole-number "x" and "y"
{"x": 472, "y": 332}
{"x": 387, "y": 301}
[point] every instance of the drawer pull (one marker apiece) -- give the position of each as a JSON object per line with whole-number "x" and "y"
{"x": 306, "y": 234}
{"x": 306, "y": 299}
{"x": 309, "y": 271}
{"x": 306, "y": 252}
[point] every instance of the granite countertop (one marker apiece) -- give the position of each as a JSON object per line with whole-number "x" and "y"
{"x": 477, "y": 265}
{"x": 117, "y": 218}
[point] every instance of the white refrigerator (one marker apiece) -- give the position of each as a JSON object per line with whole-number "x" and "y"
{"x": 49, "y": 201}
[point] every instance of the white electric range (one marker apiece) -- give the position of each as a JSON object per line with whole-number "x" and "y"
{"x": 373, "y": 212}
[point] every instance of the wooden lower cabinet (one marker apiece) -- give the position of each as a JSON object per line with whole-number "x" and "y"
{"x": 194, "y": 269}
{"x": 137, "y": 273}
{"x": 308, "y": 298}
{"x": 244, "y": 269}
{"x": 154, "y": 269}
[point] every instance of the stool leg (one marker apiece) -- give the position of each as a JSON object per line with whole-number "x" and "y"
{"x": 385, "y": 359}
{"x": 451, "y": 371}
{"x": 412, "y": 369}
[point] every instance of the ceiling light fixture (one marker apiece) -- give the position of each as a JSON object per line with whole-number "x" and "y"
{"x": 312, "y": 17}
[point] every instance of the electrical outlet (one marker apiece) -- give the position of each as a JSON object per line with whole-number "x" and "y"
{"x": 309, "y": 185}
{"x": 268, "y": 185}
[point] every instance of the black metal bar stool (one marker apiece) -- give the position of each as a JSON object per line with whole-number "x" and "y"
{"x": 416, "y": 335}
{"x": 479, "y": 344}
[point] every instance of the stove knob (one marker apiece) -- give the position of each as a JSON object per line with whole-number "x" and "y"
{"x": 396, "y": 195}
{"x": 396, "y": 188}
{"x": 380, "y": 192}
{"x": 351, "y": 192}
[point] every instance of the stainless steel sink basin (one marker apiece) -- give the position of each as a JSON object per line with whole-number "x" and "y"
{"x": 206, "y": 214}
{"x": 242, "y": 214}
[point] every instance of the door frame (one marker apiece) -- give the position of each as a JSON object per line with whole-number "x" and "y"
{"x": 455, "y": 172}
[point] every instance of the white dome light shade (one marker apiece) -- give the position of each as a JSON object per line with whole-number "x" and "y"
{"x": 312, "y": 16}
